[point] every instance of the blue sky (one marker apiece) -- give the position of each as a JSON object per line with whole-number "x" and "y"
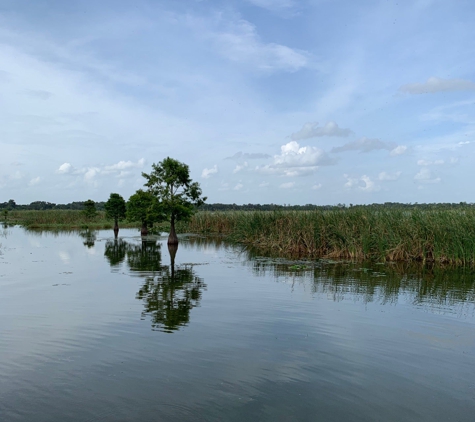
{"x": 282, "y": 101}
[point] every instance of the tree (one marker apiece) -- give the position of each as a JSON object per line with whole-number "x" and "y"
{"x": 89, "y": 209}
{"x": 177, "y": 194}
{"x": 144, "y": 207}
{"x": 115, "y": 209}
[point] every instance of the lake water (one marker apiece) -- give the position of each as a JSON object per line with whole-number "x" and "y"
{"x": 93, "y": 329}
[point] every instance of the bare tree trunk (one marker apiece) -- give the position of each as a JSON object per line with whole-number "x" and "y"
{"x": 144, "y": 230}
{"x": 116, "y": 228}
{"x": 172, "y": 237}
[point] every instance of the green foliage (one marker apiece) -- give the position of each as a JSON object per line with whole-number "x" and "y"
{"x": 5, "y": 215}
{"x": 90, "y": 211}
{"x": 144, "y": 207}
{"x": 171, "y": 184}
{"x": 115, "y": 207}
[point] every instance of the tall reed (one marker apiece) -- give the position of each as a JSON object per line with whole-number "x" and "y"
{"x": 445, "y": 236}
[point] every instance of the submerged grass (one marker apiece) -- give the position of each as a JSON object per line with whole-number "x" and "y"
{"x": 442, "y": 236}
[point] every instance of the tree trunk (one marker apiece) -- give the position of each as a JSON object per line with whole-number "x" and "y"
{"x": 172, "y": 248}
{"x": 144, "y": 230}
{"x": 116, "y": 228}
{"x": 172, "y": 237}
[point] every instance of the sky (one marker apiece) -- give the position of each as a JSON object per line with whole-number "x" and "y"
{"x": 267, "y": 101}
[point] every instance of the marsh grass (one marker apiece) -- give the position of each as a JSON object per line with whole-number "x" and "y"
{"x": 442, "y": 236}
{"x": 57, "y": 219}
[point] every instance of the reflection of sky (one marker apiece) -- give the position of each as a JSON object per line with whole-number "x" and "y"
{"x": 256, "y": 348}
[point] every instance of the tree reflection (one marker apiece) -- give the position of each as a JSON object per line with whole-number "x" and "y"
{"x": 169, "y": 292}
{"x": 89, "y": 237}
{"x": 115, "y": 252}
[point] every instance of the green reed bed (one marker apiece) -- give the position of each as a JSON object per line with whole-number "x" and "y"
{"x": 443, "y": 236}
{"x": 61, "y": 219}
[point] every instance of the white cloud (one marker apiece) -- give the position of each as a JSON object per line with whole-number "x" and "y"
{"x": 363, "y": 183}
{"x": 425, "y": 176}
{"x": 287, "y": 185}
{"x": 65, "y": 168}
{"x": 238, "y": 167}
{"x": 317, "y": 186}
{"x": 365, "y": 145}
{"x": 384, "y": 176}
{"x": 239, "y": 186}
{"x": 295, "y": 160}
{"x": 430, "y": 163}
{"x": 123, "y": 165}
{"x": 34, "y": 181}
{"x": 434, "y": 85}
{"x": 237, "y": 40}
{"x": 369, "y": 185}
{"x": 399, "y": 150}
{"x": 263, "y": 184}
{"x": 206, "y": 173}
{"x": 312, "y": 130}
{"x": 91, "y": 173}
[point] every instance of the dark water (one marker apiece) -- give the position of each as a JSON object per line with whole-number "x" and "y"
{"x": 93, "y": 329}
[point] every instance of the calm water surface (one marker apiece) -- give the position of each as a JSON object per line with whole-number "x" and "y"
{"x": 93, "y": 329}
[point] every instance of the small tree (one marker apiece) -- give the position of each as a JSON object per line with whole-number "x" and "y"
{"x": 143, "y": 206}
{"x": 177, "y": 194}
{"x": 89, "y": 210}
{"x": 115, "y": 209}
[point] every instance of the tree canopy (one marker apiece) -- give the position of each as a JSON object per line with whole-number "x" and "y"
{"x": 89, "y": 209}
{"x": 178, "y": 195}
{"x": 144, "y": 207}
{"x": 115, "y": 209}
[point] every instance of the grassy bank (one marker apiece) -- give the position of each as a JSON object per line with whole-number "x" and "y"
{"x": 61, "y": 219}
{"x": 442, "y": 236}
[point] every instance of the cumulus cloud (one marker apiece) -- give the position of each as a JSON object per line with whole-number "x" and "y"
{"x": 365, "y": 145}
{"x": 239, "y": 186}
{"x": 399, "y": 150}
{"x": 425, "y": 176}
{"x": 317, "y": 186}
{"x": 90, "y": 173}
{"x": 287, "y": 185}
{"x": 123, "y": 165}
{"x": 385, "y": 176}
{"x": 248, "y": 156}
{"x": 295, "y": 160}
{"x": 312, "y": 130}
{"x": 65, "y": 168}
{"x": 206, "y": 173}
{"x": 34, "y": 181}
{"x": 238, "y": 167}
{"x": 433, "y": 85}
{"x": 363, "y": 183}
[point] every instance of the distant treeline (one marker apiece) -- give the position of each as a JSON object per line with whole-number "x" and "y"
{"x": 42, "y": 205}
{"x": 79, "y": 205}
